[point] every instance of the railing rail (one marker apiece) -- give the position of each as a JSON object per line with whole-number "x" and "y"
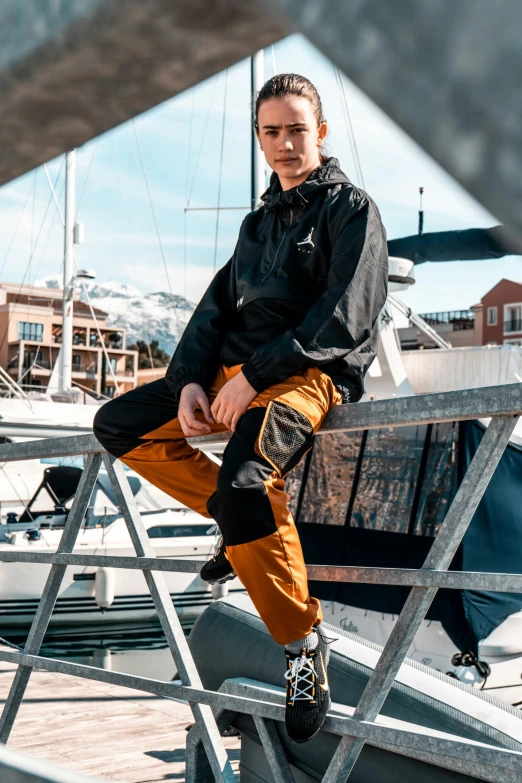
{"x": 513, "y": 325}
{"x": 502, "y": 404}
{"x": 19, "y": 768}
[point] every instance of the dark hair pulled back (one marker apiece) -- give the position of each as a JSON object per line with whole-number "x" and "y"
{"x": 285, "y": 84}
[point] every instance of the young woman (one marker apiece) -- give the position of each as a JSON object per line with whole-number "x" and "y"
{"x": 285, "y": 331}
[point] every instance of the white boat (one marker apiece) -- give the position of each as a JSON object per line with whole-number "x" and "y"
{"x": 396, "y": 373}
{"x": 102, "y": 595}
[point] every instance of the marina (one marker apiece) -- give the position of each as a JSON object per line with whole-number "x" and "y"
{"x": 391, "y": 522}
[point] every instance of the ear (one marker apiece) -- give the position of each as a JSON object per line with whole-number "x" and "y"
{"x": 322, "y": 132}
{"x": 258, "y": 138}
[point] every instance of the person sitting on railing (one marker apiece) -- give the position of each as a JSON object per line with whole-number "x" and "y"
{"x": 286, "y": 330}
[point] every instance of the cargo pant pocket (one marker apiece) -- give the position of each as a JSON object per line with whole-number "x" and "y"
{"x": 285, "y": 436}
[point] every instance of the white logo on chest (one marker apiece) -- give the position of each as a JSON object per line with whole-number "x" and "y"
{"x": 307, "y": 240}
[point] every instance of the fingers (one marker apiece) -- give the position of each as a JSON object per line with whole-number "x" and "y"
{"x": 191, "y": 432}
{"x": 204, "y": 404}
{"x": 189, "y": 422}
{"x": 234, "y": 420}
{"x": 217, "y": 409}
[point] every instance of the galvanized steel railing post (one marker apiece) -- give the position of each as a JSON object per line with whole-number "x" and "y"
{"x": 216, "y": 752}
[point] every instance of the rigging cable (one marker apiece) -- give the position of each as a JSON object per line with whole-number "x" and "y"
{"x": 155, "y": 220}
{"x": 87, "y": 176}
{"x": 134, "y": 273}
{"x": 189, "y": 160}
{"x": 32, "y": 222}
{"x": 27, "y": 268}
{"x": 93, "y": 316}
{"x": 202, "y": 139}
{"x": 220, "y": 168}
{"x": 98, "y": 330}
{"x": 20, "y": 216}
{"x": 349, "y": 126}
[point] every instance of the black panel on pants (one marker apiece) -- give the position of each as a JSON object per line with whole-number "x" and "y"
{"x": 240, "y": 504}
{"x": 119, "y": 423}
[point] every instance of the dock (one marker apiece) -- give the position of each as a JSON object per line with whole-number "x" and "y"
{"x": 106, "y": 731}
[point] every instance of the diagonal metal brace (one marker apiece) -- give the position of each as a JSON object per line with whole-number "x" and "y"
{"x": 50, "y": 593}
{"x": 215, "y": 749}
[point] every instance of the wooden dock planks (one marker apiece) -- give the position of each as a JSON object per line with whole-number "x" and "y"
{"x": 102, "y": 730}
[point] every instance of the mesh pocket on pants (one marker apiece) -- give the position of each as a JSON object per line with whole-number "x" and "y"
{"x": 286, "y": 437}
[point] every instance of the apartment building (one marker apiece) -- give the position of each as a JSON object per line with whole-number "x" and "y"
{"x": 495, "y": 320}
{"x": 456, "y": 326}
{"x": 31, "y": 336}
{"x": 502, "y": 314}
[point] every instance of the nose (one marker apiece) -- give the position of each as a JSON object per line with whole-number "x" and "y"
{"x": 286, "y": 144}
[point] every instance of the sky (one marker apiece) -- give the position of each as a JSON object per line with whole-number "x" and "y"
{"x": 140, "y": 184}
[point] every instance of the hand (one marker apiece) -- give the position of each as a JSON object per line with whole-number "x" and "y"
{"x": 193, "y": 397}
{"x": 233, "y": 400}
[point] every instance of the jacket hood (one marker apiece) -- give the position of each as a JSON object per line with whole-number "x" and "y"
{"x": 324, "y": 176}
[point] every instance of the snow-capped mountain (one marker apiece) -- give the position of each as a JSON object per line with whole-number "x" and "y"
{"x": 159, "y": 316}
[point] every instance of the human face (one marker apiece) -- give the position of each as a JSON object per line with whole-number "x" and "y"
{"x": 290, "y": 138}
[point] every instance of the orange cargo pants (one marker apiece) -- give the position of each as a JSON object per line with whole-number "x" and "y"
{"x": 246, "y": 494}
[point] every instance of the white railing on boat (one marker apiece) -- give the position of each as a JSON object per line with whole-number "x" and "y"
{"x": 503, "y": 404}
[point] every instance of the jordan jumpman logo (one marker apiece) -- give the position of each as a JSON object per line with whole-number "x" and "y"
{"x": 308, "y": 239}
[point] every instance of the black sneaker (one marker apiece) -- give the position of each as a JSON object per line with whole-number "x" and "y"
{"x": 218, "y": 569}
{"x": 307, "y": 690}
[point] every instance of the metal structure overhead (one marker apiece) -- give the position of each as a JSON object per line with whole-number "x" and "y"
{"x": 448, "y": 73}
{"x": 72, "y": 69}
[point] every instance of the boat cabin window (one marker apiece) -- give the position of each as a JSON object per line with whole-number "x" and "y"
{"x": 399, "y": 480}
{"x": 176, "y": 531}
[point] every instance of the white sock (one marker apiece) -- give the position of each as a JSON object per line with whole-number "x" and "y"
{"x": 308, "y": 642}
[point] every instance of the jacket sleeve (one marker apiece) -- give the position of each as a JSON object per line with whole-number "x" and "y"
{"x": 344, "y": 316}
{"x": 196, "y": 358}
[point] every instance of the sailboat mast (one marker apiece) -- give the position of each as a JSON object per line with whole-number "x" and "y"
{"x": 68, "y": 272}
{"x": 257, "y": 72}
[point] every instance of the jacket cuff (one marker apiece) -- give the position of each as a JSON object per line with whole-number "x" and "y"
{"x": 253, "y": 377}
{"x": 183, "y": 376}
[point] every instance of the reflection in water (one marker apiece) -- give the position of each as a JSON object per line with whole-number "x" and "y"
{"x": 139, "y": 650}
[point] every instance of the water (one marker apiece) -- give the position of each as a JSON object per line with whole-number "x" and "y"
{"x": 138, "y": 650}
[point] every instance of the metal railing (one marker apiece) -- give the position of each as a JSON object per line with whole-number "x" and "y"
{"x": 460, "y": 319}
{"x": 19, "y": 768}
{"x": 211, "y": 708}
{"x": 513, "y": 326}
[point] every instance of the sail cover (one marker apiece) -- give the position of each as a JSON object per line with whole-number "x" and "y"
{"x": 389, "y": 492}
{"x": 472, "y": 244}
{"x": 493, "y": 541}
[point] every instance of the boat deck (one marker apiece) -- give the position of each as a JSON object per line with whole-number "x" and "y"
{"x": 102, "y": 730}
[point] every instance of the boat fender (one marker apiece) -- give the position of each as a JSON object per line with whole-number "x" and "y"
{"x": 219, "y": 591}
{"x": 104, "y": 587}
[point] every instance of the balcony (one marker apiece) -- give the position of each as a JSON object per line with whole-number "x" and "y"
{"x": 513, "y": 326}
{"x": 90, "y": 370}
{"x": 457, "y": 319}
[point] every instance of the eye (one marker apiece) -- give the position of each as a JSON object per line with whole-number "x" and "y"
{"x": 299, "y": 130}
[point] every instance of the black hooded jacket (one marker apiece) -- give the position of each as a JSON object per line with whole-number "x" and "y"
{"x": 304, "y": 287}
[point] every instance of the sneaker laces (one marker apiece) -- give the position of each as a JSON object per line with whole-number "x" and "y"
{"x": 301, "y": 676}
{"x": 326, "y": 639}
